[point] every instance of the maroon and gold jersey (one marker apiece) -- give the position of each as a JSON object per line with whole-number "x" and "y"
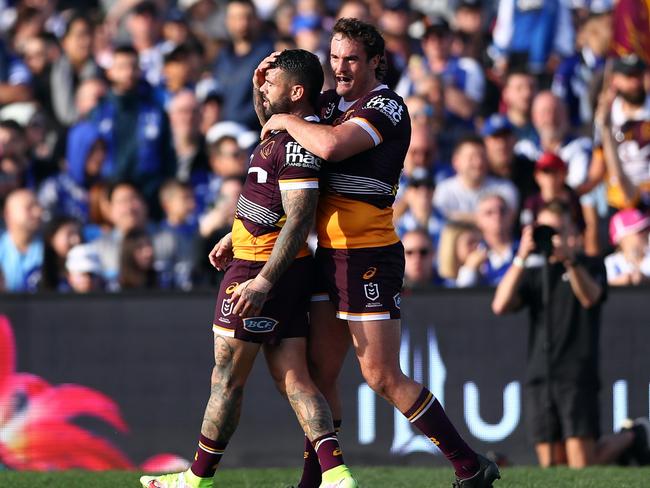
{"x": 355, "y": 210}
{"x": 632, "y": 133}
{"x": 277, "y": 163}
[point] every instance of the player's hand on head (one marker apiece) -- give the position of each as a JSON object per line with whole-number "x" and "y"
{"x": 221, "y": 253}
{"x": 250, "y": 297}
{"x": 259, "y": 75}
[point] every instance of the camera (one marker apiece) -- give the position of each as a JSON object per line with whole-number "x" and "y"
{"x": 543, "y": 237}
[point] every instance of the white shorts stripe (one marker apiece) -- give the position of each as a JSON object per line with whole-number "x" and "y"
{"x": 223, "y": 332}
{"x": 361, "y": 318}
{"x": 298, "y": 185}
{"x": 368, "y": 128}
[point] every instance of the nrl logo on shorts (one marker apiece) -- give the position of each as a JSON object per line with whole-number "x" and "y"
{"x": 260, "y": 325}
{"x": 372, "y": 291}
{"x": 266, "y": 150}
{"x": 226, "y": 307}
{"x": 398, "y": 300}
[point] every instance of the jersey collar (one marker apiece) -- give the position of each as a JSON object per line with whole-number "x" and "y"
{"x": 344, "y": 106}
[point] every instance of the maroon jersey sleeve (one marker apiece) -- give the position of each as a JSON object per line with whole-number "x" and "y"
{"x": 299, "y": 169}
{"x": 381, "y": 116}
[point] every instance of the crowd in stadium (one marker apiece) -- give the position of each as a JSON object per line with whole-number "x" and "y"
{"x": 126, "y": 128}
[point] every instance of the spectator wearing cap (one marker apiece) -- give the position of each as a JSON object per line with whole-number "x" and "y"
{"x": 623, "y": 135}
{"x": 175, "y": 30}
{"x": 463, "y": 78}
{"x": 136, "y": 130}
{"x": 629, "y": 230}
{"x": 21, "y": 248}
{"x": 75, "y": 65}
{"x": 418, "y": 211}
{"x": 226, "y": 159}
{"x": 533, "y": 32}
{"x": 575, "y": 77}
{"x": 144, "y": 27}
{"x": 419, "y": 258}
{"x": 550, "y": 175}
{"x": 456, "y": 197}
{"x": 307, "y": 32}
{"x": 84, "y": 269}
{"x": 498, "y": 136}
{"x": 238, "y": 59}
{"x": 551, "y": 121}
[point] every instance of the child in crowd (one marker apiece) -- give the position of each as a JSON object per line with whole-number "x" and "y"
{"x": 630, "y": 265}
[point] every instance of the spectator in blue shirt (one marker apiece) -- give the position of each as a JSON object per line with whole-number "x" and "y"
{"x": 21, "y": 249}
{"x": 136, "y": 129}
{"x": 238, "y": 59}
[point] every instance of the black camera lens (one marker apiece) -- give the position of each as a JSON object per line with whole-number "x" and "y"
{"x": 543, "y": 237}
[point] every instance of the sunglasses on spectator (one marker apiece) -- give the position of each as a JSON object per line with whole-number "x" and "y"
{"x": 423, "y": 251}
{"x": 498, "y": 210}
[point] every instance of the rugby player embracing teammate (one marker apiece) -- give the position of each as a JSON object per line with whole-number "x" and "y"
{"x": 360, "y": 260}
{"x": 264, "y": 297}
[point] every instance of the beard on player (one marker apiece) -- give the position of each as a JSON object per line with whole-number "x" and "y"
{"x": 635, "y": 97}
{"x": 280, "y": 106}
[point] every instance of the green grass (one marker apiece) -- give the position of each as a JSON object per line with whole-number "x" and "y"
{"x": 521, "y": 477}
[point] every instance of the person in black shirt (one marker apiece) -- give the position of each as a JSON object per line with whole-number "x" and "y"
{"x": 562, "y": 381}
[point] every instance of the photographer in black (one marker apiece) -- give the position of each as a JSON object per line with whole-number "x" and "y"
{"x": 564, "y": 291}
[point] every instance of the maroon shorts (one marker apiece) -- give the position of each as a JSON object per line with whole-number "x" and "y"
{"x": 284, "y": 314}
{"x": 363, "y": 284}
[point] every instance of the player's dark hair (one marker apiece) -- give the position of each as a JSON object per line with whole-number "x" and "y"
{"x": 474, "y": 139}
{"x": 304, "y": 68}
{"x": 369, "y": 36}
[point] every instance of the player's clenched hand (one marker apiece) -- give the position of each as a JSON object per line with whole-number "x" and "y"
{"x": 277, "y": 122}
{"x": 221, "y": 253}
{"x": 250, "y": 297}
{"x": 259, "y": 75}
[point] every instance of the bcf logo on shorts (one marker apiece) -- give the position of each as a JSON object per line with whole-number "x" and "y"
{"x": 372, "y": 291}
{"x": 259, "y": 325}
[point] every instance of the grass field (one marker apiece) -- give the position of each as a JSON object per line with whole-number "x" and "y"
{"x": 521, "y": 477}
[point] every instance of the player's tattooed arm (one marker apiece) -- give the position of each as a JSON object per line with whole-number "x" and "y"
{"x": 312, "y": 411}
{"x": 300, "y": 209}
{"x": 224, "y": 406}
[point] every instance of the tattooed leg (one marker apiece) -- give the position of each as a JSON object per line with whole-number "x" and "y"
{"x": 234, "y": 360}
{"x": 288, "y": 366}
